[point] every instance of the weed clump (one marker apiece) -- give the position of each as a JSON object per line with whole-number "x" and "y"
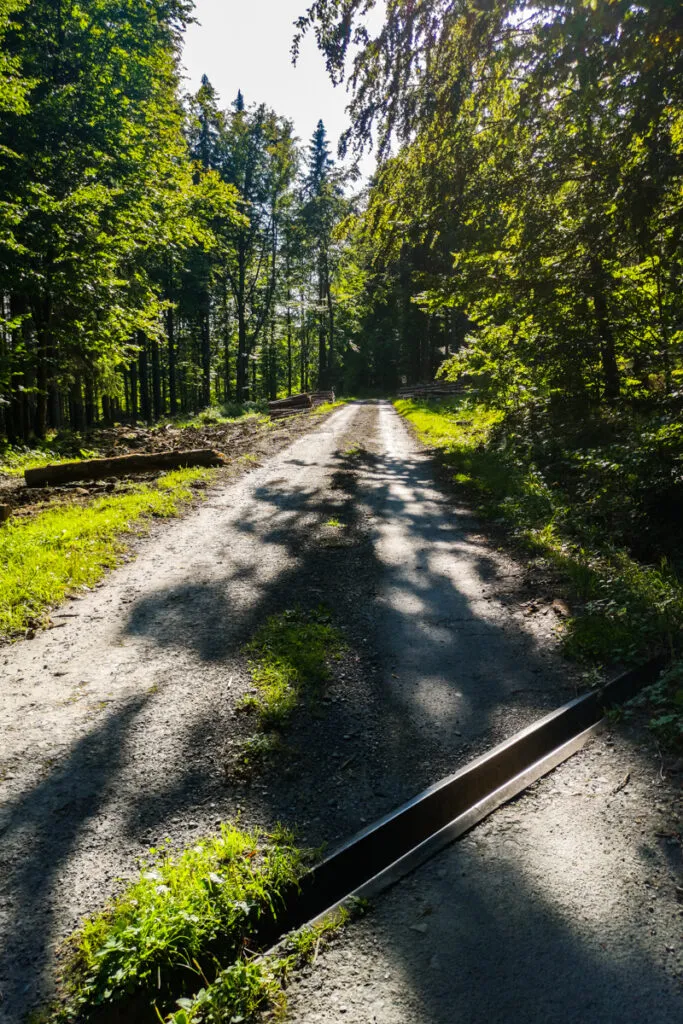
{"x": 289, "y": 662}
{"x": 247, "y": 988}
{"x": 185, "y": 917}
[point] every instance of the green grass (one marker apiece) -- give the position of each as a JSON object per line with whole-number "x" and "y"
{"x": 334, "y": 524}
{"x": 44, "y": 558}
{"x": 13, "y": 461}
{"x": 229, "y": 412}
{"x": 289, "y": 662}
{"x": 185, "y": 934}
{"x": 247, "y": 988}
{"x": 353, "y": 451}
{"x": 627, "y": 609}
{"x": 326, "y": 407}
{"x": 184, "y": 918}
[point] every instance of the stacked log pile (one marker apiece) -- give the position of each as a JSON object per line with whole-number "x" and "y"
{"x": 296, "y": 404}
{"x": 435, "y": 389}
{"x": 321, "y": 397}
{"x": 291, "y": 406}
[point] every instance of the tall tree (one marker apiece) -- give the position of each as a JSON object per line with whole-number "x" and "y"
{"x": 321, "y": 210}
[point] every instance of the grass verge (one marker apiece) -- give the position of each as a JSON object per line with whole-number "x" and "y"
{"x": 326, "y": 407}
{"x": 44, "y": 558}
{"x": 625, "y": 609}
{"x": 185, "y": 918}
{"x": 13, "y": 461}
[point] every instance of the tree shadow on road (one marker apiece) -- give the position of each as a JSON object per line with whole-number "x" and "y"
{"x": 41, "y": 832}
{"x": 384, "y": 731}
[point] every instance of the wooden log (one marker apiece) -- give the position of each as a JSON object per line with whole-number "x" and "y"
{"x": 120, "y": 465}
{"x": 320, "y": 397}
{"x": 436, "y": 387}
{"x": 280, "y": 414}
{"x": 293, "y": 402}
{"x": 4, "y": 513}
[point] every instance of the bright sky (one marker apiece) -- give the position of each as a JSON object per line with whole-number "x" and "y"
{"x": 245, "y": 44}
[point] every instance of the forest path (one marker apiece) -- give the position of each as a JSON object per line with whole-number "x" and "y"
{"x": 118, "y": 727}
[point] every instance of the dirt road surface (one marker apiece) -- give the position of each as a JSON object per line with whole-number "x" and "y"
{"x": 120, "y": 727}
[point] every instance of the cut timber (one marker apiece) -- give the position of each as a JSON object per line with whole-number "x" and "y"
{"x": 280, "y": 414}
{"x": 320, "y": 397}
{"x": 293, "y": 402}
{"x": 436, "y": 389}
{"x": 120, "y": 465}
{"x": 4, "y": 513}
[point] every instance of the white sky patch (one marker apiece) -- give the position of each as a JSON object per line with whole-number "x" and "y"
{"x": 246, "y": 46}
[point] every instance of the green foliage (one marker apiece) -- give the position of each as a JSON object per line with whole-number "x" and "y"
{"x": 247, "y": 988}
{"x": 189, "y": 915}
{"x": 289, "y": 661}
{"x": 184, "y": 914}
{"x": 52, "y": 554}
{"x": 325, "y": 407}
{"x": 239, "y": 993}
{"x": 529, "y": 215}
{"x": 146, "y": 239}
{"x": 665, "y": 698}
{"x": 15, "y": 459}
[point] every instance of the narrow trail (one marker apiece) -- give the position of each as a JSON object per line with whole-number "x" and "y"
{"x": 119, "y": 727}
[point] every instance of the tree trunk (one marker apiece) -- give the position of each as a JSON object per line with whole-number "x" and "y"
{"x": 206, "y": 355}
{"x": 145, "y": 405}
{"x": 302, "y": 345}
{"x": 226, "y": 342}
{"x": 322, "y": 351}
{"x": 89, "y": 403}
{"x": 40, "y": 417}
{"x": 134, "y": 391}
{"x": 242, "y": 374}
{"x": 170, "y": 334}
{"x": 331, "y": 358}
{"x": 156, "y": 380}
{"x": 289, "y": 349}
{"x": 119, "y": 465}
{"x": 608, "y": 357}
{"x": 76, "y": 412}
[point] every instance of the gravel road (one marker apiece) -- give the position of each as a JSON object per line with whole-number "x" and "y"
{"x": 562, "y": 908}
{"x": 120, "y": 727}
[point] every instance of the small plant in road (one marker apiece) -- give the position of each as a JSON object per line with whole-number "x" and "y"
{"x": 289, "y": 661}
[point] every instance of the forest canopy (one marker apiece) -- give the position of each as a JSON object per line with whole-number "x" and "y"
{"x": 158, "y": 253}
{"x": 161, "y": 252}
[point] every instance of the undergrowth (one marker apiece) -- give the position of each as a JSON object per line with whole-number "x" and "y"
{"x": 627, "y": 607}
{"x": 14, "y": 460}
{"x": 289, "y": 662}
{"x": 44, "y": 558}
{"x": 185, "y": 918}
{"x": 214, "y": 415}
